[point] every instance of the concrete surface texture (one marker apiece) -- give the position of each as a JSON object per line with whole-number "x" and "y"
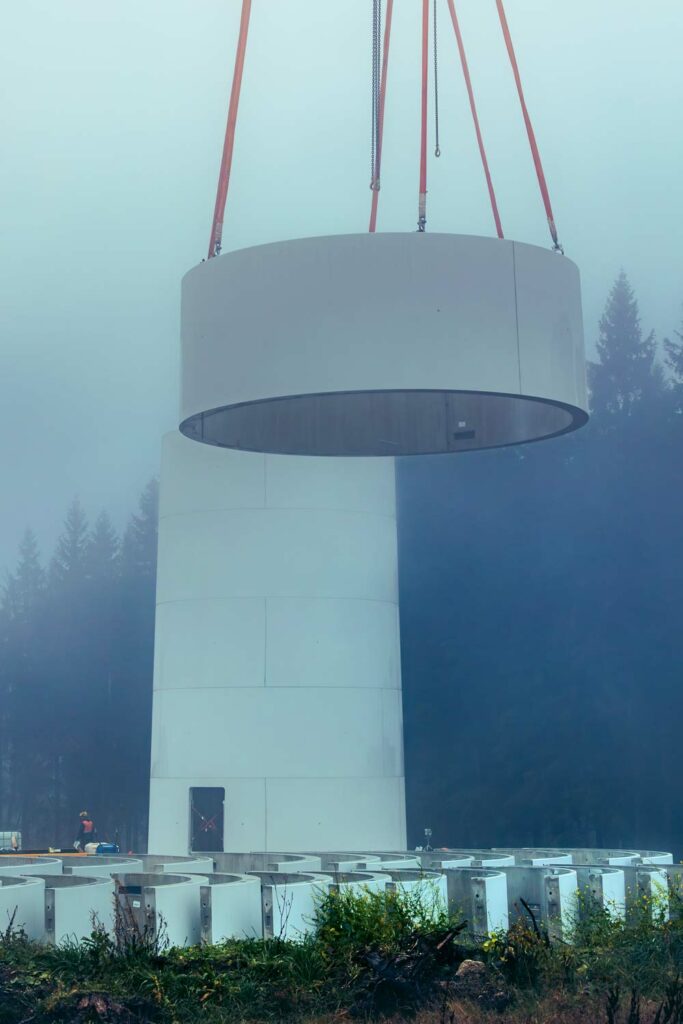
{"x": 384, "y": 344}
{"x": 277, "y": 661}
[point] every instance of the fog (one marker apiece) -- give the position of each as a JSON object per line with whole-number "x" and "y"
{"x": 112, "y": 118}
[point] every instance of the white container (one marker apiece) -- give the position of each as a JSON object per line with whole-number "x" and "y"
{"x": 10, "y": 840}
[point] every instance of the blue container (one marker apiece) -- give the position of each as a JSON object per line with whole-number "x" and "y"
{"x": 106, "y": 849}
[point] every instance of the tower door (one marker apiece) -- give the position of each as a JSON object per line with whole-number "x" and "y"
{"x": 207, "y": 819}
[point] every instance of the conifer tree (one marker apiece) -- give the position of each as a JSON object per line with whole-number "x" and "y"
{"x": 22, "y": 614}
{"x": 626, "y": 372}
{"x": 69, "y": 562}
{"x": 102, "y": 550}
{"x": 674, "y": 360}
{"x": 24, "y": 587}
{"x": 139, "y": 548}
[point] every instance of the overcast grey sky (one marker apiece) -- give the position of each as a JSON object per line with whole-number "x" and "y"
{"x": 111, "y": 123}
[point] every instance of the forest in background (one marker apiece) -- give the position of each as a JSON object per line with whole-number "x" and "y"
{"x": 76, "y": 659}
{"x": 541, "y": 619}
{"x": 541, "y": 596}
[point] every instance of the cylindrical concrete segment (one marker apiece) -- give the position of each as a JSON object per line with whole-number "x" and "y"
{"x": 382, "y": 344}
{"x": 277, "y": 671}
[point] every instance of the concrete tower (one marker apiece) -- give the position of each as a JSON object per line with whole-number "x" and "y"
{"x": 277, "y": 704}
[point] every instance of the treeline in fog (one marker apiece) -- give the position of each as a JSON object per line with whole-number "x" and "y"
{"x": 76, "y": 651}
{"x": 541, "y": 591}
{"x": 542, "y": 597}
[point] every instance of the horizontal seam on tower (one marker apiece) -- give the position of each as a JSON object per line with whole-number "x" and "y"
{"x": 276, "y": 778}
{"x": 272, "y": 686}
{"x": 278, "y": 597}
{"x": 277, "y": 508}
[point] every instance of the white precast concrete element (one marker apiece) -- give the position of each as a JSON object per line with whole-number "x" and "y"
{"x": 604, "y": 886}
{"x": 360, "y": 881}
{"x": 382, "y": 344}
{"x": 430, "y": 887}
{"x": 543, "y": 860}
{"x": 559, "y": 906}
{"x": 651, "y": 883}
{"x": 74, "y": 905}
{"x": 30, "y": 866}
{"x": 289, "y": 903}
{"x": 155, "y": 863}
{"x": 548, "y": 889}
{"x": 538, "y": 858}
{"x": 101, "y": 867}
{"x": 231, "y": 907}
{"x": 352, "y": 881}
{"x": 162, "y": 906}
{"x": 22, "y": 905}
{"x": 481, "y": 896}
{"x": 257, "y": 861}
{"x": 464, "y": 859}
{"x": 398, "y": 862}
{"x": 614, "y": 859}
{"x": 336, "y": 861}
{"x": 277, "y": 665}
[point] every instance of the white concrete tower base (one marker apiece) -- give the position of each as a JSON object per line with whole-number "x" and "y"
{"x": 277, "y": 661}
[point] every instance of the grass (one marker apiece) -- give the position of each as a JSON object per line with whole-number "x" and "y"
{"x": 373, "y": 955}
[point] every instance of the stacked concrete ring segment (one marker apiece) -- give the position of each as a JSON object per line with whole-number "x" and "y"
{"x": 391, "y": 344}
{"x": 277, "y": 662}
{"x": 277, "y": 648}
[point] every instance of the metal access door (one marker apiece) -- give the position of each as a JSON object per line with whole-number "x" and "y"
{"x": 207, "y": 819}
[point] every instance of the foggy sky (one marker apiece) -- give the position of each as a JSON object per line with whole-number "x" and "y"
{"x": 111, "y": 123}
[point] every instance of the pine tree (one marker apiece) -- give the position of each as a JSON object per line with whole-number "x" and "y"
{"x": 626, "y": 373}
{"x": 102, "y": 550}
{"x": 69, "y": 562}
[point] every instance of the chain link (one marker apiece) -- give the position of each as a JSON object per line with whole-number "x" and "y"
{"x": 437, "y": 149}
{"x": 376, "y": 87}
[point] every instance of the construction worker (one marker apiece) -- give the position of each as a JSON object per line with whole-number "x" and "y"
{"x": 87, "y": 833}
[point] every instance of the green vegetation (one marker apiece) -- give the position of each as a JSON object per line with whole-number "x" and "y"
{"x": 372, "y": 956}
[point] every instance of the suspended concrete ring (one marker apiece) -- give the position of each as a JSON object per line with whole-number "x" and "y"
{"x": 382, "y": 344}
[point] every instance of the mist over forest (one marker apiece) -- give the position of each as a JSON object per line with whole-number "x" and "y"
{"x": 541, "y": 589}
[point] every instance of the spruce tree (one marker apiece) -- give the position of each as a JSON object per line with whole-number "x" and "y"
{"x": 24, "y": 587}
{"x": 134, "y": 658}
{"x": 626, "y": 373}
{"x": 69, "y": 562}
{"x": 102, "y": 550}
{"x": 674, "y": 360}
{"x": 139, "y": 548}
